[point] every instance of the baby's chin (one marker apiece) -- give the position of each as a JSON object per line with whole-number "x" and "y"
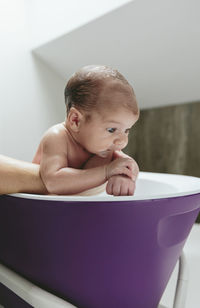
{"x": 104, "y": 154}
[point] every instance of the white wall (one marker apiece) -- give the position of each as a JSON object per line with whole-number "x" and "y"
{"x": 31, "y": 94}
{"x": 155, "y": 44}
{"x": 49, "y": 19}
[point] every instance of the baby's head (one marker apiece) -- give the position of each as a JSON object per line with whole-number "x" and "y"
{"x": 98, "y": 95}
{"x": 85, "y": 89}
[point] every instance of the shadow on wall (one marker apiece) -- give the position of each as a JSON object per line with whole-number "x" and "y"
{"x": 167, "y": 140}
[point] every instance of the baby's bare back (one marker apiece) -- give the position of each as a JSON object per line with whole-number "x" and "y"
{"x": 58, "y": 143}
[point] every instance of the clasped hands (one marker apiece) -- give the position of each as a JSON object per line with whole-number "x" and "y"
{"x": 121, "y": 172}
{"x": 122, "y": 176}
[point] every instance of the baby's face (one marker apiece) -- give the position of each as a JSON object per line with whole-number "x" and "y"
{"x": 109, "y": 126}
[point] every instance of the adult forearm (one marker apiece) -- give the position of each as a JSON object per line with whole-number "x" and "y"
{"x": 19, "y": 176}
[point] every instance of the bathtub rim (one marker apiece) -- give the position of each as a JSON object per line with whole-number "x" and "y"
{"x": 107, "y": 198}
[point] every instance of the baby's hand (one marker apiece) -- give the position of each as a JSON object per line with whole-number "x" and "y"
{"x": 119, "y": 185}
{"x": 123, "y": 165}
{"x": 120, "y": 166}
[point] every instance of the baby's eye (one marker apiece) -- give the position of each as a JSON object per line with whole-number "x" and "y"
{"x": 111, "y": 130}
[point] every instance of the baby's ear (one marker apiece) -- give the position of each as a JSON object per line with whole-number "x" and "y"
{"x": 74, "y": 119}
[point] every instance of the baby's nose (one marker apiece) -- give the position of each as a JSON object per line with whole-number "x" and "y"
{"x": 121, "y": 141}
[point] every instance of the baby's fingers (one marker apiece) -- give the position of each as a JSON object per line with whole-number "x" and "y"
{"x": 128, "y": 172}
{"x": 109, "y": 188}
{"x": 133, "y": 167}
{"x": 124, "y": 191}
{"x": 131, "y": 189}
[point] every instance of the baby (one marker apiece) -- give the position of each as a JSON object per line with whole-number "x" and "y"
{"x": 85, "y": 151}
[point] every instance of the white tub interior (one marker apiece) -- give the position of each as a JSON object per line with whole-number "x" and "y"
{"x": 149, "y": 186}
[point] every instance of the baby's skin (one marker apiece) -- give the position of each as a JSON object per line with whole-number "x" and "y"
{"x": 82, "y": 153}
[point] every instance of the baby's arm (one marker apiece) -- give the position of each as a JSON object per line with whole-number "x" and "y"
{"x": 61, "y": 179}
{"x": 135, "y": 168}
{"x": 96, "y": 161}
{"x": 118, "y": 185}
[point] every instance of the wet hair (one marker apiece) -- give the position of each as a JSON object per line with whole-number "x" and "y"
{"x": 83, "y": 88}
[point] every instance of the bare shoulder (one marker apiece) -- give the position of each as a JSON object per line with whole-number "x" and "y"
{"x": 55, "y": 137}
{"x": 56, "y": 130}
{"x": 53, "y": 143}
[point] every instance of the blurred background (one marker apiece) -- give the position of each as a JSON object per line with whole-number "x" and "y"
{"x": 155, "y": 44}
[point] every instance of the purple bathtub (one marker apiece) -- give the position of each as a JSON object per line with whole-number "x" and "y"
{"x": 101, "y": 251}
